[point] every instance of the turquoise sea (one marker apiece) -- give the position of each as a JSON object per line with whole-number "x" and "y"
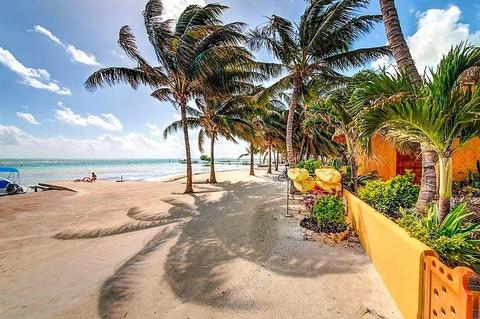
{"x": 33, "y": 171}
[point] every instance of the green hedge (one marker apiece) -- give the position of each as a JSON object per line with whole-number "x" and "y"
{"x": 388, "y": 197}
{"x": 329, "y": 211}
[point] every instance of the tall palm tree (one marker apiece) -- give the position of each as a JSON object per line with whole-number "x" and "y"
{"x": 401, "y": 53}
{"x": 271, "y": 127}
{"x": 217, "y": 118}
{"x": 312, "y": 51}
{"x": 190, "y": 54}
{"x": 396, "y": 40}
{"x": 251, "y": 151}
{"x": 436, "y": 115}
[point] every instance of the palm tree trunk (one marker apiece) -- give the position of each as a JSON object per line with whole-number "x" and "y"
{"x": 213, "y": 178}
{"x": 445, "y": 187}
{"x": 252, "y": 171}
{"x": 396, "y": 40}
{"x": 428, "y": 185}
{"x": 291, "y": 116}
{"x": 277, "y": 158}
{"x": 188, "y": 155}
{"x": 404, "y": 60}
{"x": 354, "y": 176}
{"x": 269, "y": 159}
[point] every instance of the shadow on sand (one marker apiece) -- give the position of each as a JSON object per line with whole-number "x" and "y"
{"x": 232, "y": 227}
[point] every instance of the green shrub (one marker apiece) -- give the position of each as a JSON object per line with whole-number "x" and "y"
{"x": 329, "y": 211}
{"x": 452, "y": 239}
{"x": 388, "y": 197}
{"x": 310, "y": 165}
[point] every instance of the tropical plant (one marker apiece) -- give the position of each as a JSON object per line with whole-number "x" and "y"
{"x": 197, "y": 55}
{"x": 311, "y": 165}
{"x": 312, "y": 51}
{"x": 251, "y": 151}
{"x": 329, "y": 211}
{"x": 436, "y": 115}
{"x": 271, "y": 126}
{"x": 452, "y": 238}
{"x": 405, "y": 62}
{"x": 217, "y": 118}
{"x": 388, "y": 197}
{"x": 205, "y": 158}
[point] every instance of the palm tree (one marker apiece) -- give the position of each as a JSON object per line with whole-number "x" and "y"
{"x": 194, "y": 55}
{"x": 435, "y": 115}
{"x": 396, "y": 40}
{"x": 251, "y": 151}
{"x": 405, "y": 62}
{"x": 269, "y": 122}
{"x": 313, "y": 51}
{"x": 217, "y": 118}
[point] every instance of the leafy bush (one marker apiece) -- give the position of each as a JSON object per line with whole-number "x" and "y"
{"x": 205, "y": 158}
{"x": 310, "y": 165}
{"x": 452, "y": 239}
{"x": 388, "y": 197}
{"x": 329, "y": 211}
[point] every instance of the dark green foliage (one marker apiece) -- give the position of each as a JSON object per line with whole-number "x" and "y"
{"x": 329, "y": 211}
{"x": 452, "y": 239}
{"x": 205, "y": 158}
{"x": 387, "y": 197}
{"x": 310, "y": 165}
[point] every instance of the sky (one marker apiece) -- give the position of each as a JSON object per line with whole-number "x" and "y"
{"x": 49, "y": 48}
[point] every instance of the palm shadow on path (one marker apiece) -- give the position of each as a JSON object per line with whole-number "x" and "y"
{"x": 232, "y": 227}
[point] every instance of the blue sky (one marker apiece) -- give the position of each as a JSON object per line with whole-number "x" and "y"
{"x": 48, "y": 48}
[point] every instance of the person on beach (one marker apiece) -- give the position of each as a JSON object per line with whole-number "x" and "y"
{"x": 87, "y": 179}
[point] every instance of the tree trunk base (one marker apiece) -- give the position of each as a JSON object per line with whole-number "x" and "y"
{"x": 443, "y": 208}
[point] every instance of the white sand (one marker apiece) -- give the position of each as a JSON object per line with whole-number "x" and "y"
{"x": 145, "y": 250}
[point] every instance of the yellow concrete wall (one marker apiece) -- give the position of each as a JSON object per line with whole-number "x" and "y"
{"x": 466, "y": 159}
{"x": 397, "y": 257}
{"x": 383, "y": 159}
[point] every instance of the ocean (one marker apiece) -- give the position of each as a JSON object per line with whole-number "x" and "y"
{"x": 34, "y": 171}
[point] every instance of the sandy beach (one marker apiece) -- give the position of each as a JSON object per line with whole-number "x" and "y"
{"x": 145, "y": 250}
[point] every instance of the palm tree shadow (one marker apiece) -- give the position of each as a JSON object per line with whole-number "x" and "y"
{"x": 141, "y": 220}
{"x": 197, "y": 264}
{"x": 195, "y": 267}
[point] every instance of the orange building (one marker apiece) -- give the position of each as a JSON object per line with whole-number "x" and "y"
{"x": 388, "y": 162}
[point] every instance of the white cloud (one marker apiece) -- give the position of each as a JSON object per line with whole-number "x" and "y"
{"x": 17, "y": 143}
{"x": 106, "y": 121}
{"x": 36, "y": 78}
{"x": 437, "y": 31}
{"x": 76, "y": 54}
{"x": 155, "y": 130}
{"x": 50, "y": 35}
{"x": 172, "y": 9}
{"x": 28, "y": 117}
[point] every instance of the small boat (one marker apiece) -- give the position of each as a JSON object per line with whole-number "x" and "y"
{"x": 10, "y": 185}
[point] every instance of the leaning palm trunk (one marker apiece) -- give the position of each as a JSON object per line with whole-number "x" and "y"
{"x": 353, "y": 173}
{"x": 213, "y": 178}
{"x": 269, "y": 159}
{"x": 188, "y": 155}
{"x": 428, "y": 185}
{"x": 252, "y": 171}
{"x": 396, "y": 40}
{"x": 404, "y": 60}
{"x": 445, "y": 187}
{"x": 290, "y": 119}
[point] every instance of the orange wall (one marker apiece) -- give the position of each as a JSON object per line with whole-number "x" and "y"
{"x": 466, "y": 159}
{"x": 383, "y": 159}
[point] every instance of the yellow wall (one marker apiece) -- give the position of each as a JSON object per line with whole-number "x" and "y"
{"x": 383, "y": 159}
{"x": 397, "y": 257}
{"x": 466, "y": 159}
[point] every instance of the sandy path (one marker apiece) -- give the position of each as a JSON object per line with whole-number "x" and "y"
{"x": 143, "y": 250}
